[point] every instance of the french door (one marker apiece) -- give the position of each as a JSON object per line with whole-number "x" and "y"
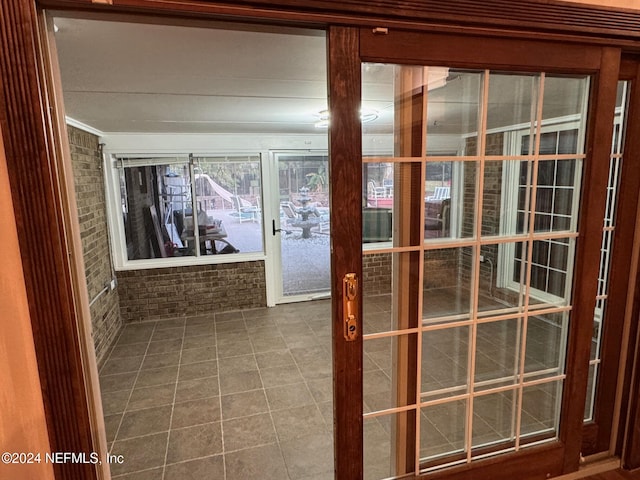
{"x": 481, "y": 190}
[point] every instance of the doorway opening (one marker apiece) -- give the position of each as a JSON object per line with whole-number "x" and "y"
{"x": 174, "y": 195}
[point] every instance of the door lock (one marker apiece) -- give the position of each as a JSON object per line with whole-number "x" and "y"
{"x": 350, "y": 306}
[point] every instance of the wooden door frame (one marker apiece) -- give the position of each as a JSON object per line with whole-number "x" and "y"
{"x": 345, "y": 172}
{"x": 627, "y": 440}
{"x": 31, "y": 143}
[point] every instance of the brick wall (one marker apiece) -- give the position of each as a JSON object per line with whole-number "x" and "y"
{"x": 195, "y": 290}
{"x": 491, "y": 211}
{"x": 90, "y": 198}
{"x": 376, "y": 274}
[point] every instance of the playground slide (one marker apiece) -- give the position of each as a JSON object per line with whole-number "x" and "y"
{"x": 225, "y": 194}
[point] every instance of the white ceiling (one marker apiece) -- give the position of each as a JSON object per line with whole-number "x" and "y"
{"x": 136, "y": 77}
{"x": 123, "y": 77}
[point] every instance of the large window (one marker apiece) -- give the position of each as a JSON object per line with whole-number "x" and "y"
{"x": 189, "y": 207}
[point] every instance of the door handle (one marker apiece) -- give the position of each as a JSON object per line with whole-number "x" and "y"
{"x": 350, "y": 306}
{"x": 276, "y": 230}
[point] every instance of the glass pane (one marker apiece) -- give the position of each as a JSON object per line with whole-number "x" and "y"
{"x": 591, "y": 392}
{"x": 498, "y": 353}
{"x": 546, "y": 338}
{"x": 380, "y": 444}
{"x": 437, "y": 201}
{"x": 494, "y": 418}
{"x": 565, "y": 97}
{"x": 453, "y": 99}
{"x": 615, "y": 165}
{"x": 502, "y": 293}
{"x": 541, "y": 410}
{"x": 229, "y": 191}
{"x": 378, "y": 96}
{"x": 450, "y": 200}
{"x": 377, "y": 212}
{"x": 385, "y": 377}
{"x": 157, "y": 210}
{"x": 463, "y": 213}
{"x": 512, "y": 101}
{"x": 445, "y": 355}
{"x": 377, "y": 302}
{"x": 303, "y": 194}
{"x": 447, "y": 284}
{"x": 443, "y": 429}
{"x": 551, "y": 264}
{"x": 506, "y": 195}
{"x": 596, "y": 335}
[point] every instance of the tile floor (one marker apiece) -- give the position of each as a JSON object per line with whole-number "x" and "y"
{"x": 248, "y": 395}
{"x": 236, "y": 396}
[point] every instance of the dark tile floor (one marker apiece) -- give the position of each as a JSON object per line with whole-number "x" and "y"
{"x": 248, "y": 395}
{"x": 236, "y": 396}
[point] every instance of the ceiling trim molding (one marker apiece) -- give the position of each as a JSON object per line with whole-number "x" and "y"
{"x": 83, "y": 126}
{"x": 553, "y": 17}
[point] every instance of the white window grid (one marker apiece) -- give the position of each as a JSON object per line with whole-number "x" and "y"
{"x": 476, "y": 318}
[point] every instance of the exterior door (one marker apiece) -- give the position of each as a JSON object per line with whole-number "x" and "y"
{"x": 481, "y": 192}
{"x": 301, "y": 227}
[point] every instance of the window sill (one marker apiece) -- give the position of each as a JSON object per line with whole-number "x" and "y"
{"x": 173, "y": 262}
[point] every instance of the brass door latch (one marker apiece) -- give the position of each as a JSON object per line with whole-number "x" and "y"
{"x": 350, "y": 306}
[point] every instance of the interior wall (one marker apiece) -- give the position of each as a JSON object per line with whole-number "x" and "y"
{"x": 23, "y": 426}
{"x": 90, "y": 197}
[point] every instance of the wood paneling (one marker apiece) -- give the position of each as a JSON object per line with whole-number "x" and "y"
{"x": 24, "y": 120}
{"x": 345, "y": 173}
{"x": 474, "y": 51}
{"x": 23, "y": 425}
{"x": 541, "y": 16}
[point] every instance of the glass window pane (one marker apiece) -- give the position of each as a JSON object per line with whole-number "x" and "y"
{"x": 447, "y": 284}
{"x": 550, "y": 271}
{"x": 443, "y": 429}
{"x": 385, "y": 379}
{"x": 437, "y": 202}
{"x": 565, "y": 97}
{"x": 540, "y": 411}
{"x": 591, "y": 392}
{"x": 445, "y": 355}
{"x": 229, "y": 192}
{"x": 506, "y": 193}
{"x": 379, "y": 444}
{"x": 453, "y": 98}
{"x": 501, "y": 292}
{"x": 377, "y": 302}
{"x": 462, "y": 221}
{"x": 378, "y": 194}
{"x": 546, "y": 338}
{"x": 498, "y": 353}
{"x": 512, "y": 101}
{"x": 157, "y": 209}
{"x": 494, "y": 418}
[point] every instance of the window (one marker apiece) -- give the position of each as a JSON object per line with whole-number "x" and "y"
{"x": 556, "y": 182}
{"x": 158, "y": 198}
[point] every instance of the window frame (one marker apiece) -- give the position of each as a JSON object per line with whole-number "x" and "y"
{"x": 118, "y": 241}
{"x": 510, "y": 185}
